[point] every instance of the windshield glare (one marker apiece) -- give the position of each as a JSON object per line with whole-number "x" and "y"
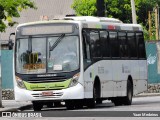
{"x": 34, "y": 55}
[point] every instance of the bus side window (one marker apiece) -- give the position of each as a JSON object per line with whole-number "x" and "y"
{"x": 132, "y": 45}
{"x": 105, "y": 44}
{"x": 114, "y": 44}
{"x": 141, "y": 45}
{"x": 95, "y": 44}
{"x": 123, "y": 44}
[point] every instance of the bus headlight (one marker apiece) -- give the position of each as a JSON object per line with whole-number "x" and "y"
{"x": 20, "y": 83}
{"x": 74, "y": 80}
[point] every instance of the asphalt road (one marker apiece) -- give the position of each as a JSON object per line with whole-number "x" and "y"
{"x": 142, "y": 108}
{"x": 150, "y": 103}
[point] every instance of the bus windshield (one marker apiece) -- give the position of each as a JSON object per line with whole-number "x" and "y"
{"x": 36, "y": 55}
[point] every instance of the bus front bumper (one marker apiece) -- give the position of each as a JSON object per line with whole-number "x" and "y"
{"x": 75, "y": 92}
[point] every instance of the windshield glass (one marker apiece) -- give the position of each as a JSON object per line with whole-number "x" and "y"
{"x": 63, "y": 54}
{"x": 47, "y": 54}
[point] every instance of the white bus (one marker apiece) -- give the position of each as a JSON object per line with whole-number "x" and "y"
{"x": 80, "y": 61}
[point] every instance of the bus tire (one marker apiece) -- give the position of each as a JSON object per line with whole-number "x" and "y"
{"x": 117, "y": 101}
{"x": 57, "y": 104}
{"x": 128, "y": 98}
{"x": 69, "y": 105}
{"x": 50, "y": 104}
{"x": 98, "y": 101}
{"x": 37, "y": 106}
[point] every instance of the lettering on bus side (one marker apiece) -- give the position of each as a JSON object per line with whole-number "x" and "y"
{"x": 125, "y": 69}
{"x": 101, "y": 70}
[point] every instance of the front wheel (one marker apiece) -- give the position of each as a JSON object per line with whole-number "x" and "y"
{"x": 128, "y": 98}
{"x": 37, "y": 106}
{"x": 69, "y": 104}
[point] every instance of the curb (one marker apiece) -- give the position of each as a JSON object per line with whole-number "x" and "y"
{"x": 9, "y": 110}
{"x": 25, "y": 107}
{"x": 147, "y": 94}
{"x": 22, "y": 108}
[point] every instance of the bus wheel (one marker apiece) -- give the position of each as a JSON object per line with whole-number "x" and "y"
{"x": 57, "y": 104}
{"x": 79, "y": 104}
{"x": 128, "y": 98}
{"x": 117, "y": 101}
{"x": 99, "y": 101}
{"x": 37, "y": 106}
{"x": 69, "y": 105}
{"x": 50, "y": 104}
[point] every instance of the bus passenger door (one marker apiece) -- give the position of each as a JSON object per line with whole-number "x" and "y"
{"x": 87, "y": 65}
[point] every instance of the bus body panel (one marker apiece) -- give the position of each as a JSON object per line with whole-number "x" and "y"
{"x": 75, "y": 92}
{"x": 113, "y": 75}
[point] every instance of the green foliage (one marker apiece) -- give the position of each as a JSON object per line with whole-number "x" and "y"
{"x": 10, "y": 9}
{"x": 120, "y": 9}
{"x": 85, "y": 7}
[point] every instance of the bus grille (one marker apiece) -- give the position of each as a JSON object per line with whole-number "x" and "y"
{"x": 54, "y": 95}
{"x": 46, "y": 79}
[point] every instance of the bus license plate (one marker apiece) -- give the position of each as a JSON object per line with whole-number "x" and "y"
{"x": 47, "y": 93}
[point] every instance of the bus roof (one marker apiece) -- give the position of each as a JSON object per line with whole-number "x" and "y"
{"x": 92, "y": 22}
{"x": 93, "y": 19}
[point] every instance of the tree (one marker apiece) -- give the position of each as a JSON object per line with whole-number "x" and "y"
{"x": 10, "y": 9}
{"x": 85, "y": 7}
{"x": 120, "y": 9}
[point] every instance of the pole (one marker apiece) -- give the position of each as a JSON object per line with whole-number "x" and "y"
{"x": 150, "y": 23}
{"x": 100, "y": 8}
{"x": 134, "y": 21}
{"x": 156, "y": 22}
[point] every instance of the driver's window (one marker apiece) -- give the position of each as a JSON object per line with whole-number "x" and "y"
{"x": 86, "y": 48}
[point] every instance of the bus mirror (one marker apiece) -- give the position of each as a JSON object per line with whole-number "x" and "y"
{"x": 10, "y": 42}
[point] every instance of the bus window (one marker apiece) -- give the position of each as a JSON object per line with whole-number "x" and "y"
{"x": 95, "y": 44}
{"x": 105, "y": 44}
{"x": 114, "y": 44}
{"x": 141, "y": 45}
{"x": 132, "y": 45}
{"x": 123, "y": 44}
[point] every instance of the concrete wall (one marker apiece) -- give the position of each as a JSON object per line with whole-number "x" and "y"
{"x": 6, "y": 69}
{"x": 153, "y": 60}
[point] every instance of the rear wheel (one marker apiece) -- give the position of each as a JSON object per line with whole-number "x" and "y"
{"x": 117, "y": 101}
{"x": 98, "y": 101}
{"x": 37, "y": 106}
{"x": 128, "y": 98}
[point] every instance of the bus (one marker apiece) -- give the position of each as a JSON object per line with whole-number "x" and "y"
{"x": 80, "y": 61}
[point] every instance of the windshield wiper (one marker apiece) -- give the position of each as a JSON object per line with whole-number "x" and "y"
{"x": 57, "y": 42}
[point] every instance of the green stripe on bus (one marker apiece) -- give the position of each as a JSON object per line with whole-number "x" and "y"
{"x": 47, "y": 86}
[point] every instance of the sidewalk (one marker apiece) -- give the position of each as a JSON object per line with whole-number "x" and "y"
{"x": 13, "y": 106}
